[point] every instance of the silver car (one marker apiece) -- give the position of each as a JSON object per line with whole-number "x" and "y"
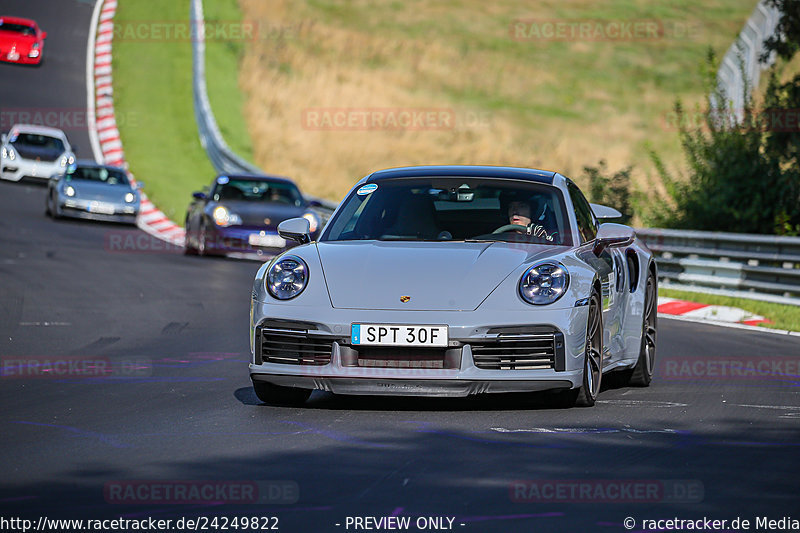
{"x": 451, "y": 281}
{"x": 94, "y": 191}
{"x": 34, "y": 152}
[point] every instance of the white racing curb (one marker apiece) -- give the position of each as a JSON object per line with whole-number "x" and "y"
{"x": 103, "y": 132}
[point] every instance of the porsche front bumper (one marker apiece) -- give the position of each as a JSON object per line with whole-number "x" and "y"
{"x": 318, "y": 354}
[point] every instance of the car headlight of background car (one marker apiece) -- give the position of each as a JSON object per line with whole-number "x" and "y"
{"x": 67, "y": 159}
{"x": 544, "y": 283}
{"x": 69, "y": 190}
{"x": 313, "y": 221}
{"x": 223, "y": 217}
{"x": 8, "y": 153}
{"x": 287, "y": 277}
{"x": 130, "y": 197}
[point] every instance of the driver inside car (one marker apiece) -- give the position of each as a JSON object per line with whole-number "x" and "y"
{"x": 520, "y": 221}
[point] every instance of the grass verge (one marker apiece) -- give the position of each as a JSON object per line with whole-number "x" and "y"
{"x": 153, "y": 98}
{"x": 527, "y": 100}
{"x": 786, "y": 317}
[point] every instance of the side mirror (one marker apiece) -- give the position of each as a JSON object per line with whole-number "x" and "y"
{"x": 603, "y": 212}
{"x": 44, "y": 35}
{"x": 139, "y": 185}
{"x": 3, "y": 138}
{"x": 295, "y": 229}
{"x": 314, "y": 203}
{"x": 610, "y": 235}
{"x": 197, "y": 195}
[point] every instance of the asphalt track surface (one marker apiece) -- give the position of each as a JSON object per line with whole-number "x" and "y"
{"x": 187, "y": 412}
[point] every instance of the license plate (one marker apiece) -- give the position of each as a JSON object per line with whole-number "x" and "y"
{"x": 101, "y": 208}
{"x": 266, "y": 241}
{"x": 398, "y": 335}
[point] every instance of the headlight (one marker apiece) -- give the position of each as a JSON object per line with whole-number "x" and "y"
{"x": 129, "y": 197}
{"x": 287, "y": 277}
{"x": 71, "y": 159}
{"x": 313, "y": 221}
{"x": 223, "y": 217}
{"x": 64, "y": 161}
{"x": 9, "y": 153}
{"x": 4, "y": 152}
{"x": 544, "y": 283}
{"x": 69, "y": 190}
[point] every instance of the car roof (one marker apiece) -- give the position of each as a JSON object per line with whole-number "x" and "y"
{"x": 38, "y": 130}
{"x": 476, "y": 171}
{"x": 18, "y": 20}
{"x": 259, "y": 177}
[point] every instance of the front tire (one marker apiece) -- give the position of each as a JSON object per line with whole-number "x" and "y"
{"x": 586, "y": 394}
{"x": 642, "y": 373}
{"x": 188, "y": 249}
{"x": 277, "y": 395}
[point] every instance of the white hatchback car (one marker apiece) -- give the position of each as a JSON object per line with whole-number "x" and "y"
{"x": 30, "y": 151}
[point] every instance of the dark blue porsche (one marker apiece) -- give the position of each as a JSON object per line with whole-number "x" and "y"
{"x": 240, "y": 215}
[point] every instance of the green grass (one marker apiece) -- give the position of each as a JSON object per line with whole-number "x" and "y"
{"x": 786, "y": 317}
{"x": 153, "y": 102}
{"x": 558, "y": 104}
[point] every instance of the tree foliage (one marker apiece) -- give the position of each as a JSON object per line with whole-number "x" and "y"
{"x": 743, "y": 171}
{"x": 612, "y": 190}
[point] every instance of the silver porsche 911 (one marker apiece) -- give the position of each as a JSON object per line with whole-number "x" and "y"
{"x": 451, "y": 281}
{"x": 93, "y": 191}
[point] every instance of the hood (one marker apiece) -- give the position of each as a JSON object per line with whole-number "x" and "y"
{"x": 32, "y": 152}
{"x": 12, "y": 39}
{"x": 454, "y": 276}
{"x": 97, "y": 190}
{"x": 254, "y": 213}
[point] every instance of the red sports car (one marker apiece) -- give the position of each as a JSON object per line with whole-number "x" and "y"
{"x": 21, "y": 40}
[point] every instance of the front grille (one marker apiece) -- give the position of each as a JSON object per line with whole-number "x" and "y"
{"x": 533, "y": 350}
{"x": 291, "y": 346}
{"x": 388, "y": 357}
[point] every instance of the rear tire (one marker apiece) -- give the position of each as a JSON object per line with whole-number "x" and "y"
{"x": 277, "y": 395}
{"x": 642, "y": 373}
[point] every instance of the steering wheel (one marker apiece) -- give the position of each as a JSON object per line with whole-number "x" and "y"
{"x": 510, "y": 227}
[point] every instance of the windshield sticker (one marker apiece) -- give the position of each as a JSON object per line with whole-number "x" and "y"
{"x": 366, "y": 189}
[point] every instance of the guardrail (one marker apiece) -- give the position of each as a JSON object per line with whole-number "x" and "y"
{"x": 224, "y": 160}
{"x": 742, "y": 58}
{"x": 759, "y": 267}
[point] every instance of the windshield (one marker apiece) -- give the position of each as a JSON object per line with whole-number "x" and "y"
{"x": 239, "y": 189}
{"x": 105, "y": 175}
{"x": 34, "y": 140}
{"x": 17, "y": 28}
{"x": 459, "y": 209}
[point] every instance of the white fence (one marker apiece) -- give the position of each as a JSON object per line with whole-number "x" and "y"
{"x": 742, "y": 58}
